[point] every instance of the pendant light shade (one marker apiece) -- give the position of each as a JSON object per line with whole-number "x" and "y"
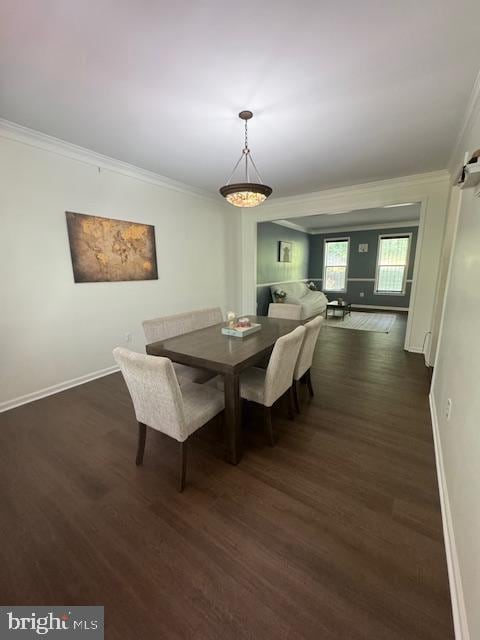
{"x": 245, "y": 194}
{"x": 248, "y": 193}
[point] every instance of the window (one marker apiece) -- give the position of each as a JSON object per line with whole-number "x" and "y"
{"x": 392, "y": 263}
{"x": 335, "y": 264}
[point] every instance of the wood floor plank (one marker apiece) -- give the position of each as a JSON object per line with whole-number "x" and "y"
{"x": 334, "y": 533}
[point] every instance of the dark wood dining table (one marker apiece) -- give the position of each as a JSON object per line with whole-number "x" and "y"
{"x": 210, "y": 349}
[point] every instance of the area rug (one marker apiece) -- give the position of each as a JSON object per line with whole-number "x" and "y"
{"x": 379, "y": 322}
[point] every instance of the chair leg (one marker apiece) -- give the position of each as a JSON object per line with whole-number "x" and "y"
{"x": 183, "y": 465}
{"x": 291, "y": 404}
{"x": 268, "y": 424}
{"x": 295, "y": 396}
{"x": 142, "y": 434}
{"x": 309, "y": 383}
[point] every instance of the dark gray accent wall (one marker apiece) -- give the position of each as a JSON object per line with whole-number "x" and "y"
{"x": 269, "y": 269}
{"x": 362, "y": 266}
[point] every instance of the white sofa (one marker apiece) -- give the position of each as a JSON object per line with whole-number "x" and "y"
{"x": 313, "y": 303}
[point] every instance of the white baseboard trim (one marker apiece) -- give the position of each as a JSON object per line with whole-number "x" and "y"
{"x": 56, "y": 388}
{"x": 421, "y": 350}
{"x": 377, "y": 306}
{"x": 454, "y": 578}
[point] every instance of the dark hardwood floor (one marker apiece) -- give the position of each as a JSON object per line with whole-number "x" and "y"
{"x": 333, "y": 533}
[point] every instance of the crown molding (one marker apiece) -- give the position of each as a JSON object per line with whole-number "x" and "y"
{"x": 290, "y": 225}
{"x": 365, "y": 227}
{"x": 347, "y": 228}
{"x": 473, "y": 106}
{"x": 418, "y": 179}
{"x": 24, "y": 135}
{"x": 18, "y": 133}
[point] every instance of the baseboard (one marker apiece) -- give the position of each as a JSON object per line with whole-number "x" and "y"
{"x": 56, "y": 388}
{"x": 454, "y": 578}
{"x": 380, "y": 308}
{"x": 411, "y": 349}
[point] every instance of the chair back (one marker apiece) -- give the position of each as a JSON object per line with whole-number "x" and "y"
{"x": 166, "y": 327}
{"x": 206, "y": 317}
{"x": 305, "y": 357}
{"x": 279, "y": 375}
{"x": 283, "y": 310}
{"x": 154, "y": 390}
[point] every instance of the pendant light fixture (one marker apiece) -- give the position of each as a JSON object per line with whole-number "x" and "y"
{"x": 246, "y": 194}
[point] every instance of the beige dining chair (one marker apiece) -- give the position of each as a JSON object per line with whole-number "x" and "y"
{"x": 285, "y": 310}
{"x": 206, "y": 317}
{"x": 165, "y": 327}
{"x": 305, "y": 358}
{"x": 161, "y": 404}
{"x": 266, "y": 386}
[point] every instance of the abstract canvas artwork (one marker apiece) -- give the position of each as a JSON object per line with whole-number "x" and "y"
{"x": 108, "y": 250}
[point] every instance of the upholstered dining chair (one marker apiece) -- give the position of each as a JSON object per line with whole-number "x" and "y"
{"x": 165, "y": 327}
{"x": 305, "y": 358}
{"x": 266, "y": 386}
{"x": 285, "y": 310}
{"x": 161, "y": 404}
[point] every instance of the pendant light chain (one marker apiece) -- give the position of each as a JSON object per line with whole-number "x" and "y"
{"x": 245, "y": 151}
{"x": 248, "y": 156}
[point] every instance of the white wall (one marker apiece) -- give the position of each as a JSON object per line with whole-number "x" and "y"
{"x": 431, "y": 190}
{"x": 457, "y": 376}
{"x": 53, "y": 330}
{"x": 447, "y": 248}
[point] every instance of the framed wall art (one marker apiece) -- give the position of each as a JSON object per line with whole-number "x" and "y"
{"x": 285, "y": 250}
{"x": 109, "y": 250}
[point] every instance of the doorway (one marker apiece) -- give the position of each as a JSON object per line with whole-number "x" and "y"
{"x": 364, "y": 258}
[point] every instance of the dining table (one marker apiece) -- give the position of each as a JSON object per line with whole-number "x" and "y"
{"x": 228, "y": 356}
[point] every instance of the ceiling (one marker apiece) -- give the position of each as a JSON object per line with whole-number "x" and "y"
{"x": 343, "y": 93}
{"x": 362, "y": 217}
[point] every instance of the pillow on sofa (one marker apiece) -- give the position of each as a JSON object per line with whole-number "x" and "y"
{"x": 294, "y": 290}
